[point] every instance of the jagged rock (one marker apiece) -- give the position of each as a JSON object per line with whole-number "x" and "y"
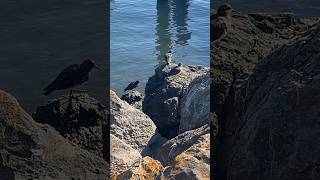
{"x": 134, "y": 98}
{"x": 250, "y": 39}
{"x": 122, "y": 156}
{"x": 195, "y": 104}
{"x": 163, "y": 94}
{"x": 273, "y": 129}
{"x": 191, "y": 164}
{"x": 81, "y": 119}
{"x": 169, "y": 150}
{"x": 31, "y": 150}
{"x": 147, "y": 169}
{"x": 129, "y": 124}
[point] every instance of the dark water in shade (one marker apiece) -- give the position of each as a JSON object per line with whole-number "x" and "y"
{"x": 40, "y": 38}
{"x": 143, "y": 30}
{"x": 302, "y": 8}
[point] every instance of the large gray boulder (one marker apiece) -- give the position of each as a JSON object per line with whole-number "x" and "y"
{"x": 122, "y": 156}
{"x": 187, "y": 156}
{"x": 195, "y": 104}
{"x": 31, "y": 150}
{"x": 173, "y": 147}
{"x": 274, "y": 127}
{"x": 163, "y": 94}
{"x": 129, "y": 124}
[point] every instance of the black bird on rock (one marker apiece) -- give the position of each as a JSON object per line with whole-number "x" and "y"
{"x": 131, "y": 86}
{"x": 221, "y": 22}
{"x": 71, "y": 76}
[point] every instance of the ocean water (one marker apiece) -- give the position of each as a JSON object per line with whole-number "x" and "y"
{"x": 300, "y": 8}
{"x": 142, "y": 32}
{"x": 38, "y": 39}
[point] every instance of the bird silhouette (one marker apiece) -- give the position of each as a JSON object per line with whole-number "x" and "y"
{"x": 220, "y": 22}
{"x": 71, "y": 76}
{"x": 131, "y": 86}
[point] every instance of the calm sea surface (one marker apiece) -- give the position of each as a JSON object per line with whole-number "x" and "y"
{"x": 40, "y": 38}
{"x": 142, "y": 31}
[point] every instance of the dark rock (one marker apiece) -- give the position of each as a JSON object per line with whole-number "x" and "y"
{"x": 134, "y": 98}
{"x": 31, "y": 150}
{"x": 81, "y": 119}
{"x": 273, "y": 130}
{"x": 163, "y": 93}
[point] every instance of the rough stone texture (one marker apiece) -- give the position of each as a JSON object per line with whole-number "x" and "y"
{"x": 163, "y": 93}
{"x": 122, "y": 156}
{"x": 273, "y": 130}
{"x": 80, "y": 119}
{"x": 169, "y": 150}
{"x": 134, "y": 98}
{"x": 192, "y": 164}
{"x": 147, "y": 169}
{"x": 30, "y": 150}
{"x": 250, "y": 38}
{"x": 129, "y": 124}
{"x": 195, "y": 104}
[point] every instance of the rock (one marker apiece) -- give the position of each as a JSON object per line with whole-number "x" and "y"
{"x": 122, "y": 156}
{"x": 251, "y": 38}
{"x": 193, "y": 163}
{"x": 163, "y": 94}
{"x": 195, "y": 104}
{"x": 172, "y": 148}
{"x": 273, "y": 129}
{"x": 82, "y": 120}
{"x": 147, "y": 169}
{"x": 129, "y": 124}
{"x": 30, "y": 150}
{"x": 134, "y": 98}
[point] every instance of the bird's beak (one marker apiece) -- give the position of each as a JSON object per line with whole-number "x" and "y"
{"x": 95, "y": 66}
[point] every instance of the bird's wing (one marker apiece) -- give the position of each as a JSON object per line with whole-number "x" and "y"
{"x": 218, "y": 28}
{"x": 65, "y": 76}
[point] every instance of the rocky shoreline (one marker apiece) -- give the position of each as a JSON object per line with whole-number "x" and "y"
{"x": 262, "y": 94}
{"x": 265, "y": 96}
{"x": 169, "y": 138}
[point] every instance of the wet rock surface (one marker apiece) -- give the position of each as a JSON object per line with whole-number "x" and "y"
{"x": 81, "y": 119}
{"x": 31, "y": 150}
{"x": 265, "y": 98}
{"x": 163, "y": 94}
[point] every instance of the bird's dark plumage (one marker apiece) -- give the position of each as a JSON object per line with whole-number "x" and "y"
{"x": 220, "y": 22}
{"x": 71, "y": 76}
{"x": 131, "y": 86}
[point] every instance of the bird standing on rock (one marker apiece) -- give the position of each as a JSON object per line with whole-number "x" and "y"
{"x": 131, "y": 86}
{"x": 220, "y": 22}
{"x": 71, "y": 76}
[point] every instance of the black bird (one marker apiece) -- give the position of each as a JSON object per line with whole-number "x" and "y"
{"x": 71, "y": 76}
{"x": 131, "y": 86}
{"x": 220, "y": 22}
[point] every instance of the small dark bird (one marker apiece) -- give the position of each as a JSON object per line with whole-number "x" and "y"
{"x": 220, "y": 22}
{"x": 71, "y": 76}
{"x": 131, "y": 86}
